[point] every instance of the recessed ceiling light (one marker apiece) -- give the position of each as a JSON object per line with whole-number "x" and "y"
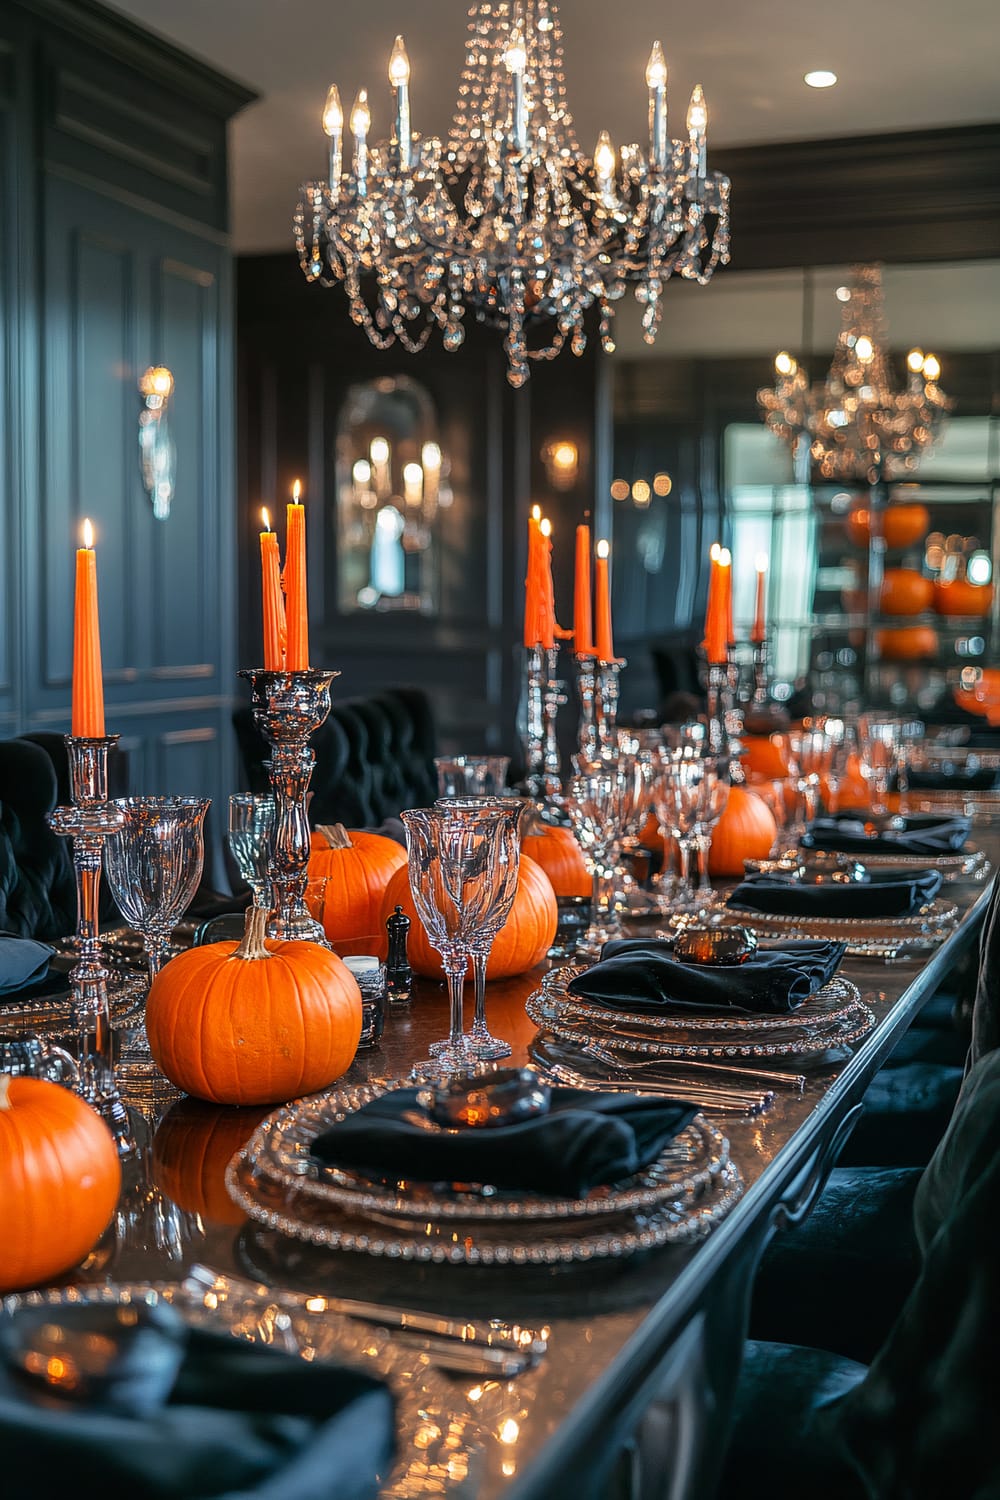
{"x": 821, "y": 79}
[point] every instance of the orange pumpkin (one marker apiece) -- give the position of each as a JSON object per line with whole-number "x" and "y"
{"x": 522, "y": 942}
{"x": 960, "y": 597}
{"x": 59, "y": 1180}
{"x": 905, "y": 592}
{"x": 357, "y": 868}
{"x": 902, "y": 526}
{"x": 558, "y": 853}
{"x": 253, "y": 1022}
{"x": 192, "y": 1148}
{"x": 766, "y": 755}
{"x": 908, "y": 643}
{"x": 746, "y": 830}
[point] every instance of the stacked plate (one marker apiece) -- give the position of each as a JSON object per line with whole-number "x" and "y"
{"x": 832, "y": 1017}
{"x": 876, "y": 937}
{"x": 276, "y": 1180}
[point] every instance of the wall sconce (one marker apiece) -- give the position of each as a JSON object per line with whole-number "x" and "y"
{"x": 157, "y": 453}
{"x": 561, "y": 458}
{"x": 641, "y": 491}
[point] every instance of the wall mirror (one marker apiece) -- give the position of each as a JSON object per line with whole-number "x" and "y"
{"x": 393, "y": 480}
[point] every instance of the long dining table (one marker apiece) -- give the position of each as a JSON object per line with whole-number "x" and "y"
{"x": 642, "y": 1353}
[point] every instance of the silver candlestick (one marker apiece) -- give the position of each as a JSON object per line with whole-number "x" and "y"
{"x": 88, "y": 822}
{"x": 608, "y": 690}
{"x": 541, "y": 750}
{"x": 719, "y": 697}
{"x": 288, "y": 707}
{"x": 586, "y": 677}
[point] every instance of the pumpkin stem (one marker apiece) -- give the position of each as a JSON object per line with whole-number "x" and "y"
{"x": 254, "y": 931}
{"x": 336, "y": 835}
{"x": 5, "y": 1082}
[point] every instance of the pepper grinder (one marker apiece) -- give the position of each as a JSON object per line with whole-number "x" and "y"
{"x": 399, "y": 975}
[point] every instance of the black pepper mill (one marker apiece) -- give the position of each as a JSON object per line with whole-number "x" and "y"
{"x": 398, "y": 974}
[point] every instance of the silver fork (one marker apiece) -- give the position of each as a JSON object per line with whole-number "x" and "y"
{"x": 723, "y": 1071}
{"x": 726, "y": 1100}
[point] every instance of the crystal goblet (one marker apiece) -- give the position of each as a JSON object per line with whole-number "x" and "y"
{"x": 251, "y": 838}
{"x": 878, "y": 750}
{"x": 677, "y": 799}
{"x": 471, "y": 775}
{"x": 153, "y": 864}
{"x": 595, "y": 801}
{"x": 712, "y": 799}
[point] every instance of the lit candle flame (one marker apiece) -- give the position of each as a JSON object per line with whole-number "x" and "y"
{"x": 715, "y": 552}
{"x": 265, "y": 518}
{"x": 88, "y": 535}
{"x": 536, "y": 512}
{"x": 333, "y": 111}
{"x": 761, "y": 562}
{"x": 725, "y": 557}
{"x": 546, "y": 527}
{"x": 297, "y": 491}
{"x": 603, "y": 549}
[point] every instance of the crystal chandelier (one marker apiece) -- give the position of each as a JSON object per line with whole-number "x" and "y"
{"x": 508, "y": 218}
{"x": 858, "y": 425}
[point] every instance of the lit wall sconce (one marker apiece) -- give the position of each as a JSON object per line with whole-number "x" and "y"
{"x": 561, "y": 458}
{"x": 157, "y": 452}
{"x": 640, "y": 491}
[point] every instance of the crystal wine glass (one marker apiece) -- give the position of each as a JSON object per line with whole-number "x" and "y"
{"x": 153, "y": 864}
{"x": 678, "y": 797}
{"x": 453, "y": 878}
{"x": 596, "y": 800}
{"x": 506, "y": 815}
{"x": 878, "y": 748}
{"x": 471, "y": 775}
{"x": 251, "y": 833}
{"x": 712, "y": 798}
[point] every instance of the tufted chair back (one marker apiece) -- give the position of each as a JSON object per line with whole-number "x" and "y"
{"x": 986, "y": 1009}
{"x": 374, "y": 757}
{"x": 37, "y": 890}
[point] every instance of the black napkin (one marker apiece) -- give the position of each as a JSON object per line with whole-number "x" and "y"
{"x": 585, "y": 1139}
{"x": 953, "y": 778}
{"x": 241, "y": 1420}
{"x": 22, "y": 962}
{"x": 644, "y": 976}
{"x": 886, "y": 893}
{"x": 919, "y": 833}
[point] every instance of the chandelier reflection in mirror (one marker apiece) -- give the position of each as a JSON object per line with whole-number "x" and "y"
{"x": 508, "y": 218}
{"x": 857, "y": 423}
{"x": 392, "y": 480}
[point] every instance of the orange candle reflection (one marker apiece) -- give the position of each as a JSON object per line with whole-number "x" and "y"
{"x": 88, "y": 683}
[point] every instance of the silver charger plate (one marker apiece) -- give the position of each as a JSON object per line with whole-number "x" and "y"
{"x": 828, "y": 1022}
{"x": 971, "y": 863}
{"x": 292, "y": 1212}
{"x": 282, "y": 1146}
{"x": 932, "y": 922}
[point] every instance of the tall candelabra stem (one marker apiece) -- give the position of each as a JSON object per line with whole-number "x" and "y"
{"x": 586, "y": 674}
{"x": 88, "y": 822}
{"x": 608, "y": 690}
{"x": 718, "y": 706}
{"x": 541, "y": 751}
{"x": 759, "y": 700}
{"x": 553, "y": 699}
{"x": 288, "y": 707}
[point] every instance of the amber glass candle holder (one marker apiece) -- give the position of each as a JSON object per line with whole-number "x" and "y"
{"x": 288, "y": 708}
{"x": 88, "y": 822}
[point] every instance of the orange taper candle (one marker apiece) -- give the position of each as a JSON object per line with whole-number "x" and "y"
{"x": 715, "y": 635}
{"x": 272, "y": 598}
{"x": 758, "y": 631}
{"x": 296, "y": 600}
{"x": 726, "y": 591}
{"x": 602, "y": 604}
{"x": 583, "y": 619}
{"x": 533, "y": 581}
{"x": 88, "y": 684}
{"x": 547, "y": 607}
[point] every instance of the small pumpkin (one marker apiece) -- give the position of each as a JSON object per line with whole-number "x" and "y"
{"x": 905, "y": 592}
{"x": 357, "y": 868}
{"x": 59, "y": 1180}
{"x": 558, "y": 853}
{"x": 746, "y": 830}
{"x": 253, "y": 1022}
{"x": 960, "y": 597}
{"x": 193, "y": 1145}
{"x": 902, "y": 526}
{"x": 908, "y": 643}
{"x": 522, "y": 942}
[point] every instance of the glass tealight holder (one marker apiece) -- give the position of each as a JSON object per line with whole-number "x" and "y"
{"x": 370, "y": 975}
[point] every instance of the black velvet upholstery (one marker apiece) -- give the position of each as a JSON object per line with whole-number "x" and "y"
{"x": 907, "y": 1110}
{"x": 37, "y": 890}
{"x": 986, "y": 1007}
{"x": 374, "y": 757}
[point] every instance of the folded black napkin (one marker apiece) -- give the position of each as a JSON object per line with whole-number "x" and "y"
{"x": 644, "y": 976}
{"x": 916, "y": 833}
{"x": 885, "y": 893}
{"x": 240, "y": 1420}
{"x": 585, "y": 1139}
{"x": 22, "y": 962}
{"x": 957, "y": 778}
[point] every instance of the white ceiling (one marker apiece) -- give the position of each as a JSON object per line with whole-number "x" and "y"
{"x": 903, "y": 65}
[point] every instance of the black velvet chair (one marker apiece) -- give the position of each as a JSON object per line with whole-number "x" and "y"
{"x": 374, "y": 757}
{"x": 917, "y": 1422}
{"x": 37, "y": 889}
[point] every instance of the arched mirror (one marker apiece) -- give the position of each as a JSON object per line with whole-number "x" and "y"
{"x": 392, "y": 480}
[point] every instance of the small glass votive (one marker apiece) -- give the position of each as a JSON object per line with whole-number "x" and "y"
{"x": 370, "y": 974}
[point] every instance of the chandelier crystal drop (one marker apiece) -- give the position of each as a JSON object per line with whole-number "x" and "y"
{"x": 857, "y": 423}
{"x": 508, "y": 218}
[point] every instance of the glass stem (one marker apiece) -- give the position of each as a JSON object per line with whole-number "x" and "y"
{"x": 684, "y": 860}
{"x": 456, "y": 984}
{"x": 479, "y": 961}
{"x": 703, "y": 844}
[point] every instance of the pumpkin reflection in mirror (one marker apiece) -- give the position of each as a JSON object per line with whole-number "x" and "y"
{"x": 192, "y": 1147}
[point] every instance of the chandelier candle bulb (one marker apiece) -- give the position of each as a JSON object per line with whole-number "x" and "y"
{"x": 88, "y": 682}
{"x": 516, "y": 60}
{"x": 758, "y": 631}
{"x": 413, "y": 484}
{"x": 697, "y": 125}
{"x": 430, "y": 462}
{"x": 583, "y": 620}
{"x": 361, "y": 123}
{"x": 656, "y": 81}
{"x": 333, "y": 124}
{"x": 297, "y": 607}
{"x": 399, "y": 77}
{"x": 272, "y": 600}
{"x": 602, "y": 603}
